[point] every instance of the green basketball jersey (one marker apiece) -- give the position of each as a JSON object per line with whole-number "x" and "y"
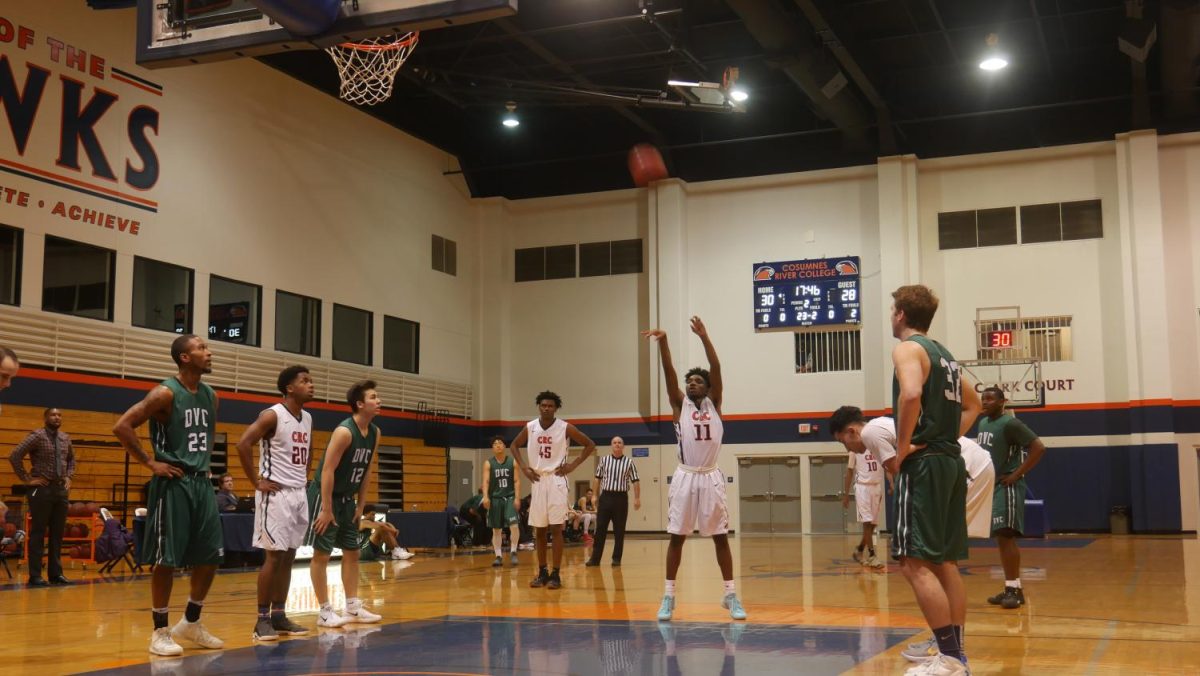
{"x": 186, "y": 439}
{"x": 1007, "y": 439}
{"x": 500, "y": 485}
{"x": 352, "y": 468}
{"x": 941, "y": 399}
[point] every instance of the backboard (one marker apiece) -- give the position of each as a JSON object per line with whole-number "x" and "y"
{"x": 182, "y": 32}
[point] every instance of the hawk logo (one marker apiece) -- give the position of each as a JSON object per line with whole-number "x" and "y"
{"x": 764, "y": 273}
{"x": 845, "y": 268}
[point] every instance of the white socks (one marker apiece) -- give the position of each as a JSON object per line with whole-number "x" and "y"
{"x": 670, "y": 589}
{"x": 498, "y": 541}
{"x": 730, "y": 587}
{"x": 1013, "y": 583}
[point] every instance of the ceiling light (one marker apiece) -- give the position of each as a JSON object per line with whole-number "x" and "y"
{"x": 739, "y": 95}
{"x": 993, "y": 60}
{"x": 510, "y": 119}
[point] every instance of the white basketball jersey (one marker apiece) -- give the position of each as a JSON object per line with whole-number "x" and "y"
{"x": 879, "y": 436}
{"x": 976, "y": 458}
{"x": 546, "y": 449}
{"x": 699, "y": 431}
{"x": 283, "y": 457}
{"x": 868, "y": 467}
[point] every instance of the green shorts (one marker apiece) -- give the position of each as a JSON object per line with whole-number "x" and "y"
{"x": 342, "y": 533}
{"x": 1008, "y": 507}
{"x": 369, "y": 551}
{"x": 183, "y": 526}
{"x": 931, "y": 508}
{"x": 503, "y": 513}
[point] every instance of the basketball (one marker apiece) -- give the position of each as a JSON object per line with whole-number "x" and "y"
{"x": 92, "y": 508}
{"x": 84, "y": 530}
{"x": 646, "y": 165}
{"x": 73, "y": 531}
{"x": 76, "y": 552}
{"x": 75, "y": 509}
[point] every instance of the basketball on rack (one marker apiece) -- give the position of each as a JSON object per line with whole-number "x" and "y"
{"x": 84, "y": 530}
{"x": 92, "y": 508}
{"x": 646, "y": 165}
{"x": 76, "y": 552}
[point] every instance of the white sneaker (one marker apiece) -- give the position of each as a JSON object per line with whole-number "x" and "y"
{"x": 360, "y": 615}
{"x": 331, "y": 619}
{"x": 921, "y": 652}
{"x": 196, "y": 633}
{"x": 401, "y": 553}
{"x": 940, "y": 665}
{"x": 162, "y": 643}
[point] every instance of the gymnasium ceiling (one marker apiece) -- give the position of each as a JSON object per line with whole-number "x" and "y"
{"x": 913, "y": 84}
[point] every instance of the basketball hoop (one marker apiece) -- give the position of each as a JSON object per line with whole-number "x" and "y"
{"x": 368, "y": 68}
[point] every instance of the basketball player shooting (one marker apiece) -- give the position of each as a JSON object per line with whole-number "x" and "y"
{"x": 696, "y": 499}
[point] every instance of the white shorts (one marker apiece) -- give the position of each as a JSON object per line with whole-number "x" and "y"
{"x": 280, "y": 518}
{"x": 548, "y": 501}
{"x": 979, "y": 503}
{"x": 697, "y": 502}
{"x": 868, "y": 499}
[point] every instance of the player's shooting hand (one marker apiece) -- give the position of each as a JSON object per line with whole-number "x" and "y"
{"x": 164, "y": 470}
{"x": 323, "y": 521}
{"x": 267, "y": 486}
{"x": 653, "y": 334}
{"x": 698, "y": 326}
{"x": 533, "y": 476}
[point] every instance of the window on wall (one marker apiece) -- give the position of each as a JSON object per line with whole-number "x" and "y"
{"x": 351, "y": 335}
{"x": 401, "y": 344}
{"x": 1082, "y": 220}
{"x": 10, "y": 265}
{"x": 1040, "y": 223}
{"x": 1042, "y": 338}
{"x": 78, "y": 279}
{"x": 445, "y": 255}
{"x": 234, "y": 311}
{"x": 162, "y": 296}
{"x": 297, "y": 323}
{"x": 829, "y": 351}
{"x": 610, "y": 258}
{"x": 1055, "y": 222}
{"x": 996, "y": 227}
{"x": 560, "y": 261}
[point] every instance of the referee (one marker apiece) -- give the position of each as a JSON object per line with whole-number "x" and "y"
{"x": 613, "y": 476}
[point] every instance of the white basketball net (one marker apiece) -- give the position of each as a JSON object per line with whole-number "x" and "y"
{"x": 368, "y": 68}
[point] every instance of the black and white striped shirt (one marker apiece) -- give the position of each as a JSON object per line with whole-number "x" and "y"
{"x": 616, "y": 473}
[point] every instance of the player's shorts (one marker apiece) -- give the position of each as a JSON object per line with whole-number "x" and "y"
{"x": 183, "y": 526}
{"x": 931, "y": 508}
{"x": 548, "y": 501}
{"x": 502, "y": 513}
{"x": 1008, "y": 508}
{"x": 868, "y": 499}
{"x": 280, "y": 518}
{"x": 369, "y": 551}
{"x": 979, "y": 503}
{"x": 697, "y": 502}
{"x": 343, "y": 533}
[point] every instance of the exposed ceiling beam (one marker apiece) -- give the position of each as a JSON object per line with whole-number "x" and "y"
{"x": 546, "y": 55}
{"x": 883, "y": 116}
{"x": 800, "y": 59}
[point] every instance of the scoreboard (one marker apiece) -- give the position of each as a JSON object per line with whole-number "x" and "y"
{"x": 807, "y": 293}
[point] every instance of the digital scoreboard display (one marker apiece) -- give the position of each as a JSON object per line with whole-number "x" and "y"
{"x": 800, "y": 294}
{"x": 999, "y": 340}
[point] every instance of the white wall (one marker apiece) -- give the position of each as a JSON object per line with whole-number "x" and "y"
{"x": 263, "y": 179}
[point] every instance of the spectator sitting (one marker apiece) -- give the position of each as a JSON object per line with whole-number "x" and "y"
{"x": 226, "y": 500}
{"x": 587, "y": 514}
{"x": 376, "y": 534}
{"x": 472, "y": 512}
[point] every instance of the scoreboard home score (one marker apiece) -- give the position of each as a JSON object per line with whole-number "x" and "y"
{"x": 808, "y": 293}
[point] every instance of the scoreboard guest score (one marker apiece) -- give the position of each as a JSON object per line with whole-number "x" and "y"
{"x": 807, "y": 293}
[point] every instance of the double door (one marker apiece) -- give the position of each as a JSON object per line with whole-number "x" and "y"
{"x": 770, "y": 493}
